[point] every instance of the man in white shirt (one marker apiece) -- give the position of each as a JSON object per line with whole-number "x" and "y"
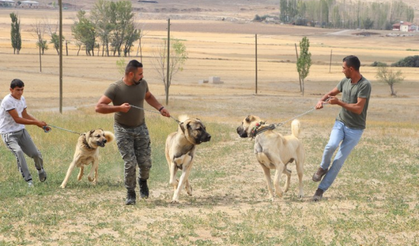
{"x": 13, "y": 118}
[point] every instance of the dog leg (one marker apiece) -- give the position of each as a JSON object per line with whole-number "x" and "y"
{"x": 277, "y": 178}
{"x": 188, "y": 187}
{"x": 67, "y": 176}
{"x": 187, "y": 165}
{"x": 94, "y": 169}
{"x": 267, "y": 173}
{"x": 80, "y": 172}
{"x": 300, "y": 171}
{"x": 288, "y": 180}
{"x": 173, "y": 181}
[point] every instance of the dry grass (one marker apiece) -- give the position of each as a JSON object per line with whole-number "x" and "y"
{"x": 373, "y": 202}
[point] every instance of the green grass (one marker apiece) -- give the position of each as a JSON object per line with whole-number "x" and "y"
{"x": 372, "y": 202}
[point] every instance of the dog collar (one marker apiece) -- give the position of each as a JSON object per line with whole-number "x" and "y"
{"x": 85, "y": 142}
{"x": 260, "y": 127}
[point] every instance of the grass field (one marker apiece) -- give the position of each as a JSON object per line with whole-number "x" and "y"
{"x": 372, "y": 202}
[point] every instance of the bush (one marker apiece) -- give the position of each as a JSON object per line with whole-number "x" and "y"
{"x": 410, "y": 61}
{"x": 378, "y": 64}
{"x": 257, "y": 18}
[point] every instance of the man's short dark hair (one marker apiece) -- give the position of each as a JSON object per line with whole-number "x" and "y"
{"x": 132, "y": 66}
{"x": 352, "y": 61}
{"x": 17, "y": 83}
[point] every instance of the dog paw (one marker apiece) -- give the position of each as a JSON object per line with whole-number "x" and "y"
{"x": 62, "y": 186}
{"x": 90, "y": 179}
{"x": 189, "y": 190}
{"x": 174, "y": 202}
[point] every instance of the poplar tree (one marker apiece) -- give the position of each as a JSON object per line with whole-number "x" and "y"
{"x": 15, "y": 34}
{"x": 303, "y": 62}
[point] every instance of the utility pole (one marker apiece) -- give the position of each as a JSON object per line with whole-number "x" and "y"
{"x": 256, "y": 64}
{"x": 60, "y": 5}
{"x": 168, "y": 62}
{"x": 330, "y": 63}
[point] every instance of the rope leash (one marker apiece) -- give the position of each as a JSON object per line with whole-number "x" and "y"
{"x": 48, "y": 129}
{"x": 295, "y": 117}
{"x": 273, "y": 126}
{"x": 153, "y": 111}
{"x": 298, "y": 116}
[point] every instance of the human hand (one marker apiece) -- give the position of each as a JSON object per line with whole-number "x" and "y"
{"x": 125, "y": 107}
{"x": 41, "y": 123}
{"x": 333, "y": 100}
{"x": 319, "y": 104}
{"x": 165, "y": 112}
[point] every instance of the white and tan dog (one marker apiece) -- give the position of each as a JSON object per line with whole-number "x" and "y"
{"x": 180, "y": 151}
{"x": 274, "y": 151}
{"x": 87, "y": 152}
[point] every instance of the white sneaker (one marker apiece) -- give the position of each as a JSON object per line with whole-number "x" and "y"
{"x": 30, "y": 184}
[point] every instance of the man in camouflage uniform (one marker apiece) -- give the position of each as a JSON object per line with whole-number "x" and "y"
{"x": 131, "y": 132}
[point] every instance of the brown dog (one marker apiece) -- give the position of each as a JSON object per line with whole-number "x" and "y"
{"x": 87, "y": 152}
{"x": 274, "y": 151}
{"x": 180, "y": 151}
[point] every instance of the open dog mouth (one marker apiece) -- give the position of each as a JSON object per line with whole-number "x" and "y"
{"x": 101, "y": 143}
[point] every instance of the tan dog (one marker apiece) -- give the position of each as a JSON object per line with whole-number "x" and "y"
{"x": 180, "y": 150}
{"x": 274, "y": 151}
{"x": 87, "y": 152}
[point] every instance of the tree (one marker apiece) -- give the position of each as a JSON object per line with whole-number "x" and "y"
{"x": 15, "y": 34}
{"x": 178, "y": 57}
{"x": 41, "y": 43}
{"x": 101, "y": 17}
{"x": 122, "y": 18}
{"x": 303, "y": 62}
{"x": 132, "y": 36}
{"x": 140, "y": 46}
{"x": 55, "y": 40}
{"x": 84, "y": 31}
{"x": 368, "y": 23}
{"x": 386, "y": 75}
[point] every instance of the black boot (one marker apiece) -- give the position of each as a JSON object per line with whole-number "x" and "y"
{"x": 143, "y": 188}
{"x": 131, "y": 196}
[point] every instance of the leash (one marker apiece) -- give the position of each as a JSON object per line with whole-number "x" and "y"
{"x": 48, "y": 129}
{"x": 153, "y": 111}
{"x": 256, "y": 131}
{"x": 298, "y": 116}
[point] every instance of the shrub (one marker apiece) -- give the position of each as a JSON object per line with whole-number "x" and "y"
{"x": 379, "y": 64}
{"x": 410, "y": 61}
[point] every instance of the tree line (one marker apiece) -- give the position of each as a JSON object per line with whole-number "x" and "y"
{"x": 109, "y": 26}
{"x": 345, "y": 14}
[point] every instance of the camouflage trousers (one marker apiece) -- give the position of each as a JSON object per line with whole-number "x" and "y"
{"x": 134, "y": 147}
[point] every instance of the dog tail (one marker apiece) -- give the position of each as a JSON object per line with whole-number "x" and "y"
{"x": 109, "y": 136}
{"x": 295, "y": 128}
{"x": 183, "y": 117}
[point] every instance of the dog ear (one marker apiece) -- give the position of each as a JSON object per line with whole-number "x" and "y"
{"x": 89, "y": 133}
{"x": 249, "y": 118}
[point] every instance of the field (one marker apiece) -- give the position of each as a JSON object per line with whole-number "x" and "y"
{"x": 372, "y": 202}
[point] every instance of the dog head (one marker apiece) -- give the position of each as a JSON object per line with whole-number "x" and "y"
{"x": 194, "y": 130}
{"x": 247, "y": 126}
{"x": 98, "y": 138}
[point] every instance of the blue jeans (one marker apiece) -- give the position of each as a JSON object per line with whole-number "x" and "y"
{"x": 347, "y": 138}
